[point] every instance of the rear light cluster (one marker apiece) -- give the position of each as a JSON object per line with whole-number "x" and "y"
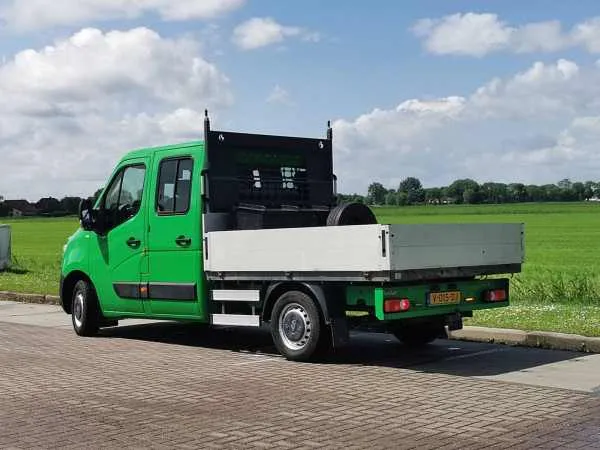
{"x": 394, "y": 305}
{"x": 496, "y": 295}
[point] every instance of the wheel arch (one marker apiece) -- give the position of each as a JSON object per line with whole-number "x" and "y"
{"x": 330, "y": 302}
{"x": 325, "y": 296}
{"x": 68, "y": 284}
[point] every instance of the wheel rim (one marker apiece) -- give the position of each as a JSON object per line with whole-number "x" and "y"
{"x": 78, "y": 310}
{"x": 294, "y": 326}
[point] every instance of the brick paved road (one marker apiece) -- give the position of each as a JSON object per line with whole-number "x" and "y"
{"x": 164, "y": 386}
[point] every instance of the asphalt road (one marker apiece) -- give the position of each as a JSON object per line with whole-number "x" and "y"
{"x": 160, "y": 384}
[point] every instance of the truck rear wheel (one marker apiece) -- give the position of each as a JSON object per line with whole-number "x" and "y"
{"x": 84, "y": 310}
{"x": 296, "y": 326}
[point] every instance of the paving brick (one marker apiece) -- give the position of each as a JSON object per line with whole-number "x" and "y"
{"x": 59, "y": 390}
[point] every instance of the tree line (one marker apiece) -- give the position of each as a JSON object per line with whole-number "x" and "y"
{"x": 47, "y": 206}
{"x": 409, "y": 192}
{"x": 467, "y": 191}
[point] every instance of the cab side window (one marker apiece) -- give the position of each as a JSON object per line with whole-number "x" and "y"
{"x": 174, "y": 186}
{"x": 124, "y": 196}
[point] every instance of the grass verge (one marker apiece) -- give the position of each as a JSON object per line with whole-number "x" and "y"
{"x": 560, "y": 318}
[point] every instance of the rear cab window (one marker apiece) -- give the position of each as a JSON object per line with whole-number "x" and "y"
{"x": 174, "y": 186}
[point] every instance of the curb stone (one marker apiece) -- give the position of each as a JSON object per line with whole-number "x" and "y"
{"x": 30, "y": 298}
{"x": 536, "y": 339}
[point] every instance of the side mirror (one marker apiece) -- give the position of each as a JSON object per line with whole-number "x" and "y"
{"x": 85, "y": 214}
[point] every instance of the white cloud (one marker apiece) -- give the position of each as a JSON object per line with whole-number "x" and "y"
{"x": 35, "y": 14}
{"x": 538, "y": 126}
{"x": 70, "y": 110}
{"x": 477, "y": 35}
{"x": 470, "y": 34}
{"x": 263, "y": 31}
{"x": 588, "y": 34}
{"x": 279, "y": 95}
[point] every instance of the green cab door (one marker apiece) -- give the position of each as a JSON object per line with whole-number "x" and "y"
{"x": 118, "y": 255}
{"x": 175, "y": 283}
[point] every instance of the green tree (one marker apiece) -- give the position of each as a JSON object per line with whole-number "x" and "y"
{"x": 410, "y": 184}
{"x": 517, "y": 192}
{"x": 457, "y": 189}
{"x": 391, "y": 198}
{"x": 568, "y": 195}
{"x": 70, "y": 204}
{"x": 590, "y": 189}
{"x": 433, "y": 195}
{"x": 493, "y": 193}
{"x": 376, "y": 194}
{"x": 535, "y": 193}
{"x": 470, "y": 196}
{"x": 402, "y": 198}
{"x": 552, "y": 192}
{"x": 416, "y": 196}
{"x": 413, "y": 189}
{"x": 579, "y": 190}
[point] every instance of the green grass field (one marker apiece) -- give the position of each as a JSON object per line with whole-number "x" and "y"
{"x": 37, "y": 249}
{"x": 558, "y": 290}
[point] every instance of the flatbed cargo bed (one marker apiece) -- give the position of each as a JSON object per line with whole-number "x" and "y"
{"x": 383, "y": 253}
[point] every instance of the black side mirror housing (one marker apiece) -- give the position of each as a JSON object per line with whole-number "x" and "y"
{"x": 85, "y": 215}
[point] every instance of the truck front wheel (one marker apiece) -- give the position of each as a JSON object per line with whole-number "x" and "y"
{"x": 84, "y": 310}
{"x": 296, "y": 326}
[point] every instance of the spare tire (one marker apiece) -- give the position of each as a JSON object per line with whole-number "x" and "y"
{"x": 351, "y": 214}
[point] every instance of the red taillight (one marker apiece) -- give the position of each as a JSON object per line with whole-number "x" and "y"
{"x": 497, "y": 295}
{"x": 394, "y": 305}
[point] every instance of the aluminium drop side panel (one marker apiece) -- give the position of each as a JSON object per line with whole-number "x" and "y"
{"x": 355, "y": 248}
{"x": 360, "y": 252}
{"x": 432, "y": 246}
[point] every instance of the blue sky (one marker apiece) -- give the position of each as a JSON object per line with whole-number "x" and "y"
{"x": 503, "y": 91}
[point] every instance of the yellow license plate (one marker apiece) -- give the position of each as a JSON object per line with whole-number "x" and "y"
{"x": 444, "y": 298}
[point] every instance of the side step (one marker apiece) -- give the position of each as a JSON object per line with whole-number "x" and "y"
{"x": 236, "y": 320}
{"x": 227, "y": 296}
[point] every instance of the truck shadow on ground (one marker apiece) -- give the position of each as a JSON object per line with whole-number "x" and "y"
{"x": 365, "y": 349}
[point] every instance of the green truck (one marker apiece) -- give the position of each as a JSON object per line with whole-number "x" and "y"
{"x": 245, "y": 230}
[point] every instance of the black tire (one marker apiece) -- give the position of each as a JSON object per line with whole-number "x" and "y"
{"x": 419, "y": 335}
{"x": 351, "y": 214}
{"x": 85, "y": 312}
{"x": 297, "y": 326}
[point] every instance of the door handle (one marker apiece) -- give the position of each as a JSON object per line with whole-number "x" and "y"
{"x": 133, "y": 242}
{"x": 183, "y": 241}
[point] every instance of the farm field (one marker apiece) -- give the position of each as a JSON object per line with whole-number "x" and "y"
{"x": 559, "y": 289}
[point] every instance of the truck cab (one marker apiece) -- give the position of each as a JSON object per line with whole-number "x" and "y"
{"x": 245, "y": 230}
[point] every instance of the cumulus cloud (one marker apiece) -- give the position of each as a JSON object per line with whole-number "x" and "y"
{"x": 35, "y": 14}
{"x": 263, "y": 31}
{"x": 471, "y": 34}
{"x": 69, "y": 110}
{"x": 537, "y": 126}
{"x": 475, "y": 34}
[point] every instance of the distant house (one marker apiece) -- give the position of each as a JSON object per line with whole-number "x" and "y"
{"x": 20, "y": 208}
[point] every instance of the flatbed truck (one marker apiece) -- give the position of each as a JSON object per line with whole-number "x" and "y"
{"x": 245, "y": 230}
